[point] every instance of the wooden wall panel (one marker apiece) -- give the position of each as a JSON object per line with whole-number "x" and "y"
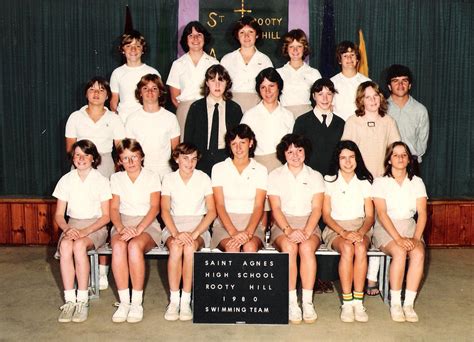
{"x": 438, "y": 226}
{"x": 44, "y": 224}
{"x": 31, "y": 224}
{"x": 453, "y": 225}
{"x": 5, "y": 236}
{"x": 17, "y": 224}
{"x": 467, "y": 212}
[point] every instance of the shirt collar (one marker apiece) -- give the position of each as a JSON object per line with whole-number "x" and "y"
{"x": 319, "y": 115}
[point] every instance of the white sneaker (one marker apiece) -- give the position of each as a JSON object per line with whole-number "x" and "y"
{"x": 410, "y": 314}
{"x": 172, "y": 312}
{"x": 67, "y": 310}
{"x": 185, "y": 312}
{"x": 309, "y": 314}
{"x": 397, "y": 313}
{"x": 360, "y": 313}
{"x": 121, "y": 313}
{"x": 347, "y": 313}
{"x": 135, "y": 314}
{"x": 294, "y": 313}
{"x": 81, "y": 312}
{"x": 103, "y": 282}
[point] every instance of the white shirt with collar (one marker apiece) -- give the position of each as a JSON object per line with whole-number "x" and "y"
{"x": 239, "y": 188}
{"x": 187, "y": 77}
{"x": 295, "y": 192}
{"x": 187, "y": 199}
{"x": 319, "y": 115}
{"x": 344, "y": 100}
{"x": 243, "y": 75}
{"x": 135, "y": 196}
{"x": 347, "y": 199}
{"x": 102, "y": 133}
{"x": 210, "y": 102}
{"x": 268, "y": 127}
{"x": 83, "y": 198}
{"x": 400, "y": 199}
{"x": 297, "y": 84}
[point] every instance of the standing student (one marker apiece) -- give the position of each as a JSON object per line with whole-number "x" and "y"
{"x": 373, "y": 131}
{"x": 296, "y": 197}
{"x": 297, "y": 76}
{"x": 246, "y": 62}
{"x": 187, "y": 72}
{"x": 269, "y": 119}
{"x": 133, "y": 210}
{"x": 83, "y": 194}
{"x": 347, "y": 81}
{"x": 155, "y": 128}
{"x": 211, "y": 117}
{"x": 348, "y": 212}
{"x": 187, "y": 209}
{"x": 124, "y": 79}
{"x": 96, "y": 123}
{"x": 398, "y": 196}
{"x": 239, "y": 184}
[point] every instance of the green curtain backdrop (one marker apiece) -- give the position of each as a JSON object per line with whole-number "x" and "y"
{"x": 50, "y": 49}
{"x": 435, "y": 39}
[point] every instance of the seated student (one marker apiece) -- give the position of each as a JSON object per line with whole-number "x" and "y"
{"x": 187, "y": 209}
{"x": 133, "y": 209}
{"x": 398, "y": 195}
{"x": 240, "y": 186}
{"x": 348, "y": 212}
{"x": 86, "y": 194}
{"x": 296, "y": 197}
{"x": 211, "y": 117}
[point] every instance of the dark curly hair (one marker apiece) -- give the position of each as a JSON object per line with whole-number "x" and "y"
{"x": 243, "y": 132}
{"x": 292, "y": 139}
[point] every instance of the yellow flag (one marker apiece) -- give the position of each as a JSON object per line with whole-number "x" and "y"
{"x": 363, "y": 63}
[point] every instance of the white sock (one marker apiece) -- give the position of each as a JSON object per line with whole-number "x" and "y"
{"x": 137, "y": 297}
{"x": 174, "y": 297}
{"x": 307, "y": 296}
{"x": 293, "y": 299}
{"x": 82, "y": 296}
{"x": 373, "y": 268}
{"x": 185, "y": 297}
{"x": 70, "y": 296}
{"x": 124, "y": 296}
{"x": 395, "y": 297}
{"x": 409, "y": 297}
{"x": 103, "y": 270}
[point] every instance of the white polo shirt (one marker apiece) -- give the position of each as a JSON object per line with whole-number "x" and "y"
{"x": 102, "y": 133}
{"x": 347, "y": 199}
{"x": 296, "y": 193}
{"x": 297, "y": 84}
{"x": 344, "y": 100}
{"x": 135, "y": 196}
{"x": 400, "y": 200}
{"x": 83, "y": 198}
{"x": 243, "y": 75}
{"x": 123, "y": 81}
{"x": 189, "y": 78}
{"x": 154, "y": 132}
{"x": 187, "y": 199}
{"x": 268, "y": 127}
{"x": 239, "y": 189}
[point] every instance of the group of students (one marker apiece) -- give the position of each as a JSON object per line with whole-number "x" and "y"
{"x": 220, "y": 177}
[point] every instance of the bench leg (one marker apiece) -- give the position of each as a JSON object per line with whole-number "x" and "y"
{"x": 386, "y": 289}
{"x": 94, "y": 276}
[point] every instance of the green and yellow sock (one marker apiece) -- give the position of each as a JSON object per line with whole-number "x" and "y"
{"x": 347, "y": 298}
{"x": 358, "y": 296}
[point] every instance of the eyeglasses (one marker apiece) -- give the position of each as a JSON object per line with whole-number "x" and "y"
{"x": 126, "y": 160}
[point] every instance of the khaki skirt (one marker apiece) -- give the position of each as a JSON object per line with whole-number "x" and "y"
{"x": 181, "y": 115}
{"x": 299, "y": 110}
{"x": 296, "y": 222}
{"x": 270, "y": 161}
{"x": 187, "y": 224}
{"x": 246, "y": 100}
{"x": 350, "y": 225}
{"x": 406, "y": 228}
{"x": 99, "y": 237}
{"x": 154, "y": 229}
{"x": 240, "y": 221}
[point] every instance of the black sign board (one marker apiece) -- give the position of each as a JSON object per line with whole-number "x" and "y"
{"x": 248, "y": 288}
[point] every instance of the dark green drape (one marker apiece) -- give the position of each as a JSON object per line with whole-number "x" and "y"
{"x": 50, "y": 49}
{"x": 434, "y": 38}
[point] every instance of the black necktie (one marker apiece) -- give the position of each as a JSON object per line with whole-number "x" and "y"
{"x": 214, "y": 139}
{"x": 324, "y": 119}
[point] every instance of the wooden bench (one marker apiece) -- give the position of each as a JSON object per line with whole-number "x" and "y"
{"x": 163, "y": 251}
